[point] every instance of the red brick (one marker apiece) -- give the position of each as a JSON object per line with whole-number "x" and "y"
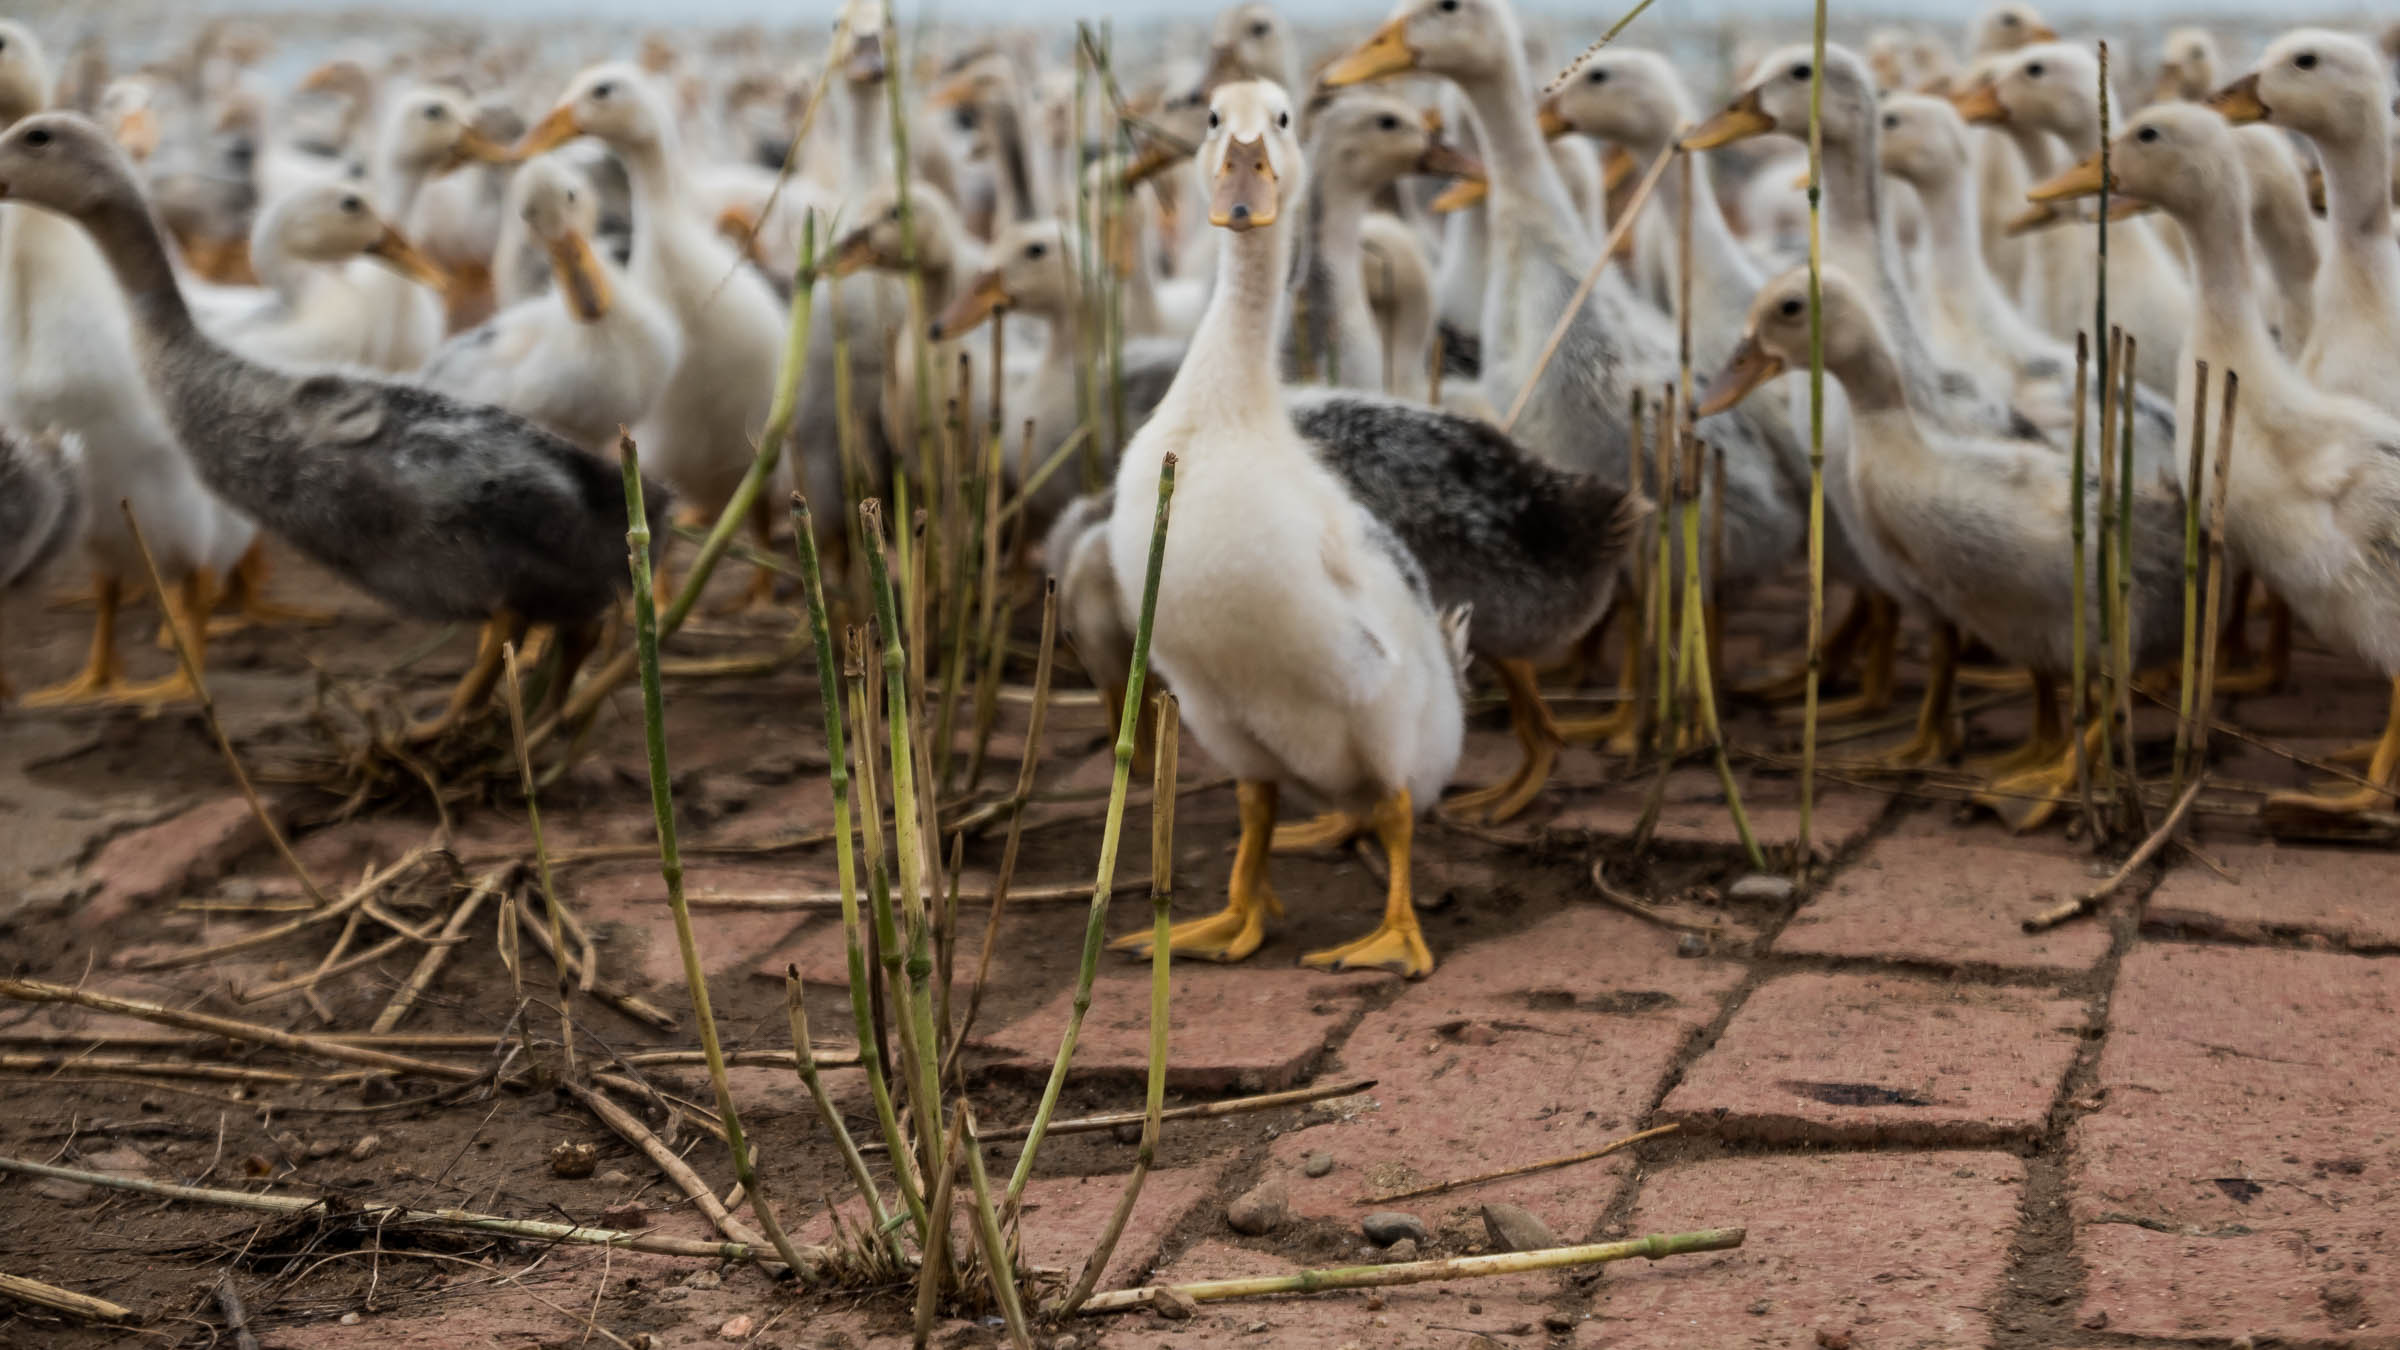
{"x": 1952, "y": 896}
{"x": 1882, "y": 1059}
{"x": 1696, "y": 816}
{"x": 165, "y": 860}
{"x": 1900, "y": 1251}
{"x": 1064, "y": 1217}
{"x": 633, "y": 903}
{"x": 1253, "y": 1027}
{"x": 1585, "y": 1011}
{"x": 2342, "y": 895}
{"x": 2252, "y": 1108}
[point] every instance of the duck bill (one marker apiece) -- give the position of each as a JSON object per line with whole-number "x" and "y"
{"x": 1247, "y": 194}
{"x": 866, "y": 64}
{"x": 856, "y": 253}
{"x": 1554, "y": 123}
{"x": 137, "y": 134}
{"x": 1460, "y": 195}
{"x": 551, "y": 132}
{"x": 1386, "y": 53}
{"x": 1617, "y": 168}
{"x": 1153, "y": 161}
{"x": 955, "y": 92}
{"x": 2033, "y": 219}
{"x": 2239, "y": 102}
{"x": 393, "y": 248}
{"x": 1444, "y": 160}
{"x": 2316, "y": 190}
{"x": 2040, "y": 32}
{"x": 1750, "y": 366}
{"x": 580, "y": 278}
{"x": 986, "y": 296}
{"x": 2126, "y": 208}
{"x": 1981, "y": 106}
{"x": 1742, "y": 119}
{"x": 476, "y": 148}
{"x": 2084, "y": 180}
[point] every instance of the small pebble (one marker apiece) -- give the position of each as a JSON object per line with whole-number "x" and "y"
{"x": 704, "y": 1279}
{"x": 614, "y": 1177}
{"x": 1387, "y": 1226}
{"x": 1129, "y": 1133}
{"x": 349, "y": 1319}
{"x": 1559, "y": 1321}
{"x": 630, "y": 1214}
{"x": 1759, "y": 1308}
{"x": 1833, "y": 1340}
{"x": 1374, "y": 1303}
{"x": 1173, "y": 1305}
{"x": 1474, "y": 1309}
{"x": 1513, "y": 1228}
{"x": 737, "y": 1327}
{"x": 572, "y": 1160}
{"x": 323, "y": 1148}
{"x": 1403, "y": 1250}
{"x": 1761, "y": 888}
{"x": 1690, "y": 945}
{"x": 1260, "y": 1210}
{"x": 1318, "y": 1164}
{"x": 363, "y": 1147}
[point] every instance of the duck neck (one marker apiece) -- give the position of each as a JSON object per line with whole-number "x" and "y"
{"x": 868, "y": 151}
{"x": 662, "y": 225}
{"x": 2228, "y": 331}
{"x": 1955, "y": 232}
{"x": 1335, "y": 316}
{"x": 1229, "y": 365}
{"x": 2358, "y": 189}
{"x": 137, "y": 252}
{"x": 1023, "y": 194}
{"x": 270, "y": 257}
{"x": 2034, "y": 147}
{"x": 1871, "y": 379}
{"x": 1523, "y": 175}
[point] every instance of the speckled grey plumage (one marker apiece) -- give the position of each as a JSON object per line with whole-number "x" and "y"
{"x": 441, "y": 509}
{"x": 42, "y": 503}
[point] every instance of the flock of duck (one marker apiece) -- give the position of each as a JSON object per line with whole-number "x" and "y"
{"x": 396, "y": 315}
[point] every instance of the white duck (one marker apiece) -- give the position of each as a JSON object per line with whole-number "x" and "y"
{"x": 1295, "y": 631}
{"x": 69, "y": 362}
{"x": 2314, "y": 491}
{"x": 2337, "y": 91}
{"x": 701, "y": 431}
{"x": 316, "y": 251}
{"x": 584, "y": 362}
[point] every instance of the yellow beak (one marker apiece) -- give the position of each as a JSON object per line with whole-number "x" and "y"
{"x": 2031, "y": 219}
{"x": 474, "y": 147}
{"x": 954, "y": 91}
{"x": 1386, "y": 53}
{"x": 1749, "y": 367}
{"x": 2239, "y": 102}
{"x": 1741, "y": 120}
{"x": 1460, "y": 195}
{"x": 1553, "y": 123}
{"x": 137, "y": 134}
{"x": 552, "y": 131}
{"x": 1442, "y": 159}
{"x": 394, "y": 248}
{"x": 1981, "y": 106}
{"x": 2040, "y": 32}
{"x": 856, "y": 253}
{"x": 580, "y": 277}
{"x": 1247, "y": 193}
{"x": 2084, "y": 180}
{"x": 1153, "y": 161}
{"x": 987, "y": 294}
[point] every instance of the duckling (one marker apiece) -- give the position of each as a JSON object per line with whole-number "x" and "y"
{"x": 2313, "y": 502}
{"x": 2051, "y": 87}
{"x": 42, "y": 511}
{"x": 2337, "y": 91}
{"x": 317, "y": 306}
{"x": 1295, "y": 630}
{"x": 1980, "y": 524}
{"x": 701, "y": 431}
{"x": 442, "y": 509}
{"x": 584, "y": 364}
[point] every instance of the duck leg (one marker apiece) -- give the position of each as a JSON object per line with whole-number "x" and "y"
{"x": 2048, "y": 738}
{"x": 246, "y": 593}
{"x": 2276, "y": 666}
{"x": 1840, "y": 649}
{"x": 2383, "y": 778}
{"x": 1235, "y": 931}
{"x": 102, "y": 671}
{"x": 1614, "y": 729}
{"x": 2027, "y": 799}
{"x": 476, "y": 685}
{"x": 1397, "y": 944}
{"x": 1537, "y": 736}
{"x": 1936, "y": 737}
{"x": 187, "y": 609}
{"x": 1879, "y": 684}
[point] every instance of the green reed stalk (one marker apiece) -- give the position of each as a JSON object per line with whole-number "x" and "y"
{"x": 991, "y": 1233}
{"x": 1816, "y": 444}
{"x": 2080, "y": 653}
{"x": 2131, "y": 807}
{"x": 804, "y": 1058}
{"x": 2194, "y": 484}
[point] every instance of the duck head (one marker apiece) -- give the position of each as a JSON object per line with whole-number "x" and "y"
{"x": 330, "y": 222}
{"x": 1250, "y": 160}
{"x": 434, "y": 131}
{"x": 1778, "y": 95}
{"x": 561, "y": 212}
{"x": 2008, "y": 26}
{"x": 2187, "y": 67}
{"x": 614, "y": 102}
{"x": 60, "y": 161}
{"x": 1247, "y": 42}
{"x": 1364, "y": 139}
{"x": 1924, "y": 140}
{"x": 2049, "y": 86}
{"x": 2178, "y": 157}
{"x": 2327, "y": 86}
{"x": 24, "y": 73}
{"x": 1031, "y": 268}
{"x": 1775, "y": 338}
{"x": 1462, "y": 40}
{"x": 1622, "y": 95}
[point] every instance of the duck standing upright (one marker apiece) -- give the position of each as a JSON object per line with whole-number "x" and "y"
{"x": 1295, "y": 630}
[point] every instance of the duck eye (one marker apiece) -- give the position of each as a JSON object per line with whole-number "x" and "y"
{"x": 1259, "y": 29}
{"x": 1388, "y": 122}
{"x": 1791, "y": 309}
{"x": 1036, "y": 250}
{"x": 2305, "y": 60}
{"x": 433, "y": 112}
{"x": 1213, "y": 119}
{"x": 1283, "y": 119}
{"x": 2008, "y": 21}
{"x": 1891, "y": 120}
{"x": 351, "y": 205}
{"x": 38, "y": 136}
{"x": 1448, "y": 6}
{"x": 1801, "y": 72}
{"x": 1597, "y": 77}
{"x": 603, "y": 89}
{"x": 2146, "y": 135}
{"x": 2035, "y": 71}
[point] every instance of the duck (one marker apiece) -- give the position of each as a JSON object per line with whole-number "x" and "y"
{"x": 1399, "y": 282}
{"x": 2002, "y": 172}
{"x": 2188, "y": 65}
{"x": 1250, "y": 42}
{"x": 2336, "y": 90}
{"x": 585, "y": 362}
{"x": 2049, "y": 87}
{"x": 1296, "y": 632}
{"x": 986, "y": 100}
{"x": 71, "y": 364}
{"x": 443, "y": 510}
{"x": 2290, "y": 249}
{"x": 1981, "y": 524}
{"x": 702, "y": 429}
{"x": 314, "y": 249}
{"x": 42, "y": 512}
{"x": 2313, "y": 487}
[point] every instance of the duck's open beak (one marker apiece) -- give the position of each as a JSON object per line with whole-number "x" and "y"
{"x": 1981, "y": 106}
{"x": 1386, "y": 53}
{"x": 1442, "y": 159}
{"x": 2084, "y": 180}
{"x": 1553, "y": 123}
{"x": 1154, "y": 160}
{"x": 551, "y": 132}
{"x": 2239, "y": 102}
{"x": 1617, "y": 168}
{"x": 1749, "y": 367}
{"x": 137, "y": 134}
{"x": 1461, "y": 194}
{"x": 985, "y": 295}
{"x": 855, "y": 253}
{"x": 580, "y": 278}
{"x": 1247, "y": 194}
{"x": 394, "y": 248}
{"x": 1742, "y": 119}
